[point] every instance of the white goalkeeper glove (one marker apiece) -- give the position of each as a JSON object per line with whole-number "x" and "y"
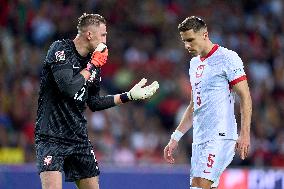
{"x": 139, "y": 92}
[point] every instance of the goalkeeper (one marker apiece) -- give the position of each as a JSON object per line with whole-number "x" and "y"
{"x": 71, "y": 79}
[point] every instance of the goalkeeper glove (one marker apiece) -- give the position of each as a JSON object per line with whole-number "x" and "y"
{"x": 139, "y": 92}
{"x": 99, "y": 56}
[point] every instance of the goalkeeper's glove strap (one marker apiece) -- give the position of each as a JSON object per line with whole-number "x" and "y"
{"x": 90, "y": 68}
{"x": 124, "y": 98}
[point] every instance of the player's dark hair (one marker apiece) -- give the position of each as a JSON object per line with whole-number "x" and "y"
{"x": 89, "y": 19}
{"x": 195, "y": 23}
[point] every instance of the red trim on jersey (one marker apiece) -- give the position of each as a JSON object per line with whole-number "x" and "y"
{"x": 215, "y": 47}
{"x": 235, "y": 81}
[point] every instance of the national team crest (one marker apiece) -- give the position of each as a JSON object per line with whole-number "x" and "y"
{"x": 47, "y": 160}
{"x": 199, "y": 71}
{"x": 60, "y": 56}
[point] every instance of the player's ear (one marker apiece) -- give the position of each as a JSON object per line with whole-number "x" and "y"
{"x": 89, "y": 35}
{"x": 205, "y": 35}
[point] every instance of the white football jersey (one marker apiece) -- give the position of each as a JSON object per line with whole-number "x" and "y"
{"x": 211, "y": 79}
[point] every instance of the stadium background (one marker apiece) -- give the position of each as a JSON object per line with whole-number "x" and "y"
{"x": 143, "y": 41}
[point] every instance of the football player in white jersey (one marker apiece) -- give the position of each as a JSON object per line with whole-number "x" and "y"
{"x": 216, "y": 73}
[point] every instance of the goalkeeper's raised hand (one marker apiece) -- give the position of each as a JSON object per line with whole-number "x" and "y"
{"x": 99, "y": 56}
{"x": 139, "y": 92}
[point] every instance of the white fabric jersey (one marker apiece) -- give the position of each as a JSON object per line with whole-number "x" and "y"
{"x": 211, "y": 79}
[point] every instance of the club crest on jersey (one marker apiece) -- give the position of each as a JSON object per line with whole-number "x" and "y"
{"x": 199, "y": 71}
{"x": 60, "y": 56}
{"x": 47, "y": 160}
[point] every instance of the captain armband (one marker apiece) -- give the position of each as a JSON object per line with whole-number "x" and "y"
{"x": 177, "y": 135}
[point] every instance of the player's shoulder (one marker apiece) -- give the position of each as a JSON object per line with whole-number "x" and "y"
{"x": 229, "y": 57}
{"x": 227, "y": 53}
{"x": 64, "y": 44}
{"x": 58, "y": 50}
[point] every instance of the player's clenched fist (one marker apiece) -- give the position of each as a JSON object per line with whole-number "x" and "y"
{"x": 99, "y": 56}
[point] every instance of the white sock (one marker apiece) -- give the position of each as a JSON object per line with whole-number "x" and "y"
{"x": 195, "y": 188}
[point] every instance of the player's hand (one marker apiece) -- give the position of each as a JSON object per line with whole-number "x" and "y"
{"x": 243, "y": 145}
{"x": 139, "y": 92}
{"x": 99, "y": 56}
{"x": 169, "y": 150}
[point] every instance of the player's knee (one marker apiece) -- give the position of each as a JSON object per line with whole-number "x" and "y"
{"x": 51, "y": 180}
{"x": 201, "y": 183}
{"x": 51, "y": 185}
{"x": 197, "y": 181}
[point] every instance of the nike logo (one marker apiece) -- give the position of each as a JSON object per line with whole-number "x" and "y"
{"x": 75, "y": 67}
{"x": 206, "y": 171}
{"x": 197, "y": 83}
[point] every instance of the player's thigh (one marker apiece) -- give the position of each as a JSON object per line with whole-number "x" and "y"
{"x": 211, "y": 158}
{"x": 81, "y": 166}
{"x": 227, "y": 154}
{"x": 88, "y": 183}
{"x": 51, "y": 180}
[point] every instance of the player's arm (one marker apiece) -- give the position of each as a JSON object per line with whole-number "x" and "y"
{"x": 243, "y": 143}
{"x": 138, "y": 92}
{"x": 68, "y": 83}
{"x": 186, "y": 121}
{"x": 184, "y": 125}
{"x": 236, "y": 75}
{"x": 96, "y": 102}
{"x": 61, "y": 67}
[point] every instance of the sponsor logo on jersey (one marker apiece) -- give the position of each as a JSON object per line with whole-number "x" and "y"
{"x": 60, "y": 56}
{"x": 222, "y": 134}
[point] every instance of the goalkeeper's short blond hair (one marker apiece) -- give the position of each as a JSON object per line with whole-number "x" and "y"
{"x": 89, "y": 19}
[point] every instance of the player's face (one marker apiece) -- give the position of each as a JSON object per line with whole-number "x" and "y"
{"x": 193, "y": 41}
{"x": 97, "y": 35}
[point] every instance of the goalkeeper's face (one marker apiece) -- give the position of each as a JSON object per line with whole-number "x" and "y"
{"x": 97, "y": 34}
{"x": 194, "y": 42}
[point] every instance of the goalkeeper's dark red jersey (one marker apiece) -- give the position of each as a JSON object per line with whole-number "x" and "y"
{"x": 64, "y": 94}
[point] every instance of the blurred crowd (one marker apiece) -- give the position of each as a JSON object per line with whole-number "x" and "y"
{"x": 143, "y": 41}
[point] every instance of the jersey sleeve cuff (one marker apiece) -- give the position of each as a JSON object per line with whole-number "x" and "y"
{"x": 235, "y": 81}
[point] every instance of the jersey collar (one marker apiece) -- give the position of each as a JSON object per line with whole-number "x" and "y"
{"x": 215, "y": 47}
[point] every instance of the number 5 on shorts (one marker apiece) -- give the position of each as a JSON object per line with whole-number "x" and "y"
{"x": 210, "y": 160}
